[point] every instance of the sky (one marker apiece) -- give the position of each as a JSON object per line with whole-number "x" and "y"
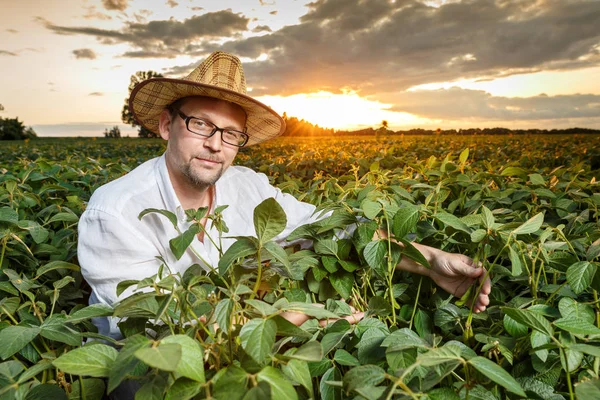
{"x": 344, "y": 64}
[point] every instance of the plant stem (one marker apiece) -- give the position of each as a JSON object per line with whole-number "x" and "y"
{"x": 4, "y": 242}
{"x": 416, "y": 303}
{"x": 258, "y": 274}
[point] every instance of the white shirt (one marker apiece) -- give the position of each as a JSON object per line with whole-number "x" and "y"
{"x": 114, "y": 245}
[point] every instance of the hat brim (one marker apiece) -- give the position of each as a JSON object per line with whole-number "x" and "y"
{"x": 150, "y": 97}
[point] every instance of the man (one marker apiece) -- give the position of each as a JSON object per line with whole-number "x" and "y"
{"x": 205, "y": 117}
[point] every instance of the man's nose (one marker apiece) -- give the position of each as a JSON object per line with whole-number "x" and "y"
{"x": 214, "y": 142}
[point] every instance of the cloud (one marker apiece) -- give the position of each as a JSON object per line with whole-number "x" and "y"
{"x": 92, "y": 13}
{"x": 7, "y": 53}
{"x": 196, "y": 8}
{"x": 473, "y": 105}
{"x": 377, "y": 46}
{"x": 84, "y": 53}
{"x": 96, "y": 94}
{"x": 261, "y": 28}
{"x": 172, "y": 3}
{"x": 12, "y": 30}
{"x": 165, "y": 38}
{"x": 119, "y": 5}
{"x": 274, "y": 12}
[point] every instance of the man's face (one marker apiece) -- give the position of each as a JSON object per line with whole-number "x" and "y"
{"x": 195, "y": 160}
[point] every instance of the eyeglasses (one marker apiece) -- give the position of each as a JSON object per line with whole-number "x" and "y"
{"x": 205, "y": 128}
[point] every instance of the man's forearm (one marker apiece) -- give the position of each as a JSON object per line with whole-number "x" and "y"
{"x": 409, "y": 265}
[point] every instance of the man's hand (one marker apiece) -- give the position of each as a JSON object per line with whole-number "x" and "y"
{"x": 455, "y": 273}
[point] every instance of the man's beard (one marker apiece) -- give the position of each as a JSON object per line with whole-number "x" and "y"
{"x": 200, "y": 182}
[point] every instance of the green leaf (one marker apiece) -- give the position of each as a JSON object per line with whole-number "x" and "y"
{"x": 585, "y": 348}
{"x": 259, "y": 392}
{"x": 165, "y": 356}
{"x": 38, "y": 233}
{"x": 14, "y": 338}
{"x": 55, "y": 328}
{"x": 223, "y": 314}
{"x": 570, "y": 308}
{"x": 494, "y": 372}
{"x": 405, "y": 221}
{"x": 531, "y": 225}
{"x": 93, "y": 360}
{"x": 64, "y": 217}
{"x": 576, "y": 326}
{"x": 403, "y": 339}
{"x": 342, "y": 357}
{"x": 327, "y": 247}
{"x": 589, "y": 390}
{"x": 297, "y": 371}
{"x": 452, "y": 221}
{"x": 487, "y": 217}
{"x": 330, "y": 392}
{"x": 515, "y": 260}
{"x": 379, "y": 306}
{"x": 281, "y": 389}
{"x": 342, "y": 282}
{"x": 370, "y": 208}
{"x": 46, "y": 391}
{"x": 265, "y": 309}
{"x": 92, "y": 311}
{"x": 230, "y": 383}
{"x": 54, "y": 265}
{"x": 580, "y": 275}
{"x": 513, "y": 171}
{"x": 258, "y": 337}
{"x": 126, "y": 362}
{"x": 440, "y": 355}
{"x": 8, "y": 215}
{"x": 278, "y": 253}
{"x": 375, "y": 254}
{"x": 241, "y": 248}
{"x": 411, "y": 252}
{"x": 464, "y": 155}
{"x": 286, "y": 328}
{"x": 514, "y": 328}
{"x": 153, "y": 389}
{"x": 35, "y": 370}
{"x": 530, "y": 319}
{"x": 92, "y": 388}
{"x": 192, "y": 357}
{"x": 269, "y": 220}
{"x": 171, "y": 216}
{"x": 180, "y": 244}
{"x": 538, "y": 339}
{"x": 365, "y": 375}
{"x": 183, "y": 389}
{"x": 309, "y": 351}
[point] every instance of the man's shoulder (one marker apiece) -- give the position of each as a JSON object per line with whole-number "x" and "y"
{"x": 245, "y": 174}
{"x": 113, "y": 196}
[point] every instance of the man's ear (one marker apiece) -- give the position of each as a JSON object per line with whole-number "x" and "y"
{"x": 164, "y": 124}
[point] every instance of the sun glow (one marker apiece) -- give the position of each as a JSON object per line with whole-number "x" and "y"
{"x": 339, "y": 111}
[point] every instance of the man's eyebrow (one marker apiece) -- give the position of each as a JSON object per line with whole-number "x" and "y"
{"x": 206, "y": 117}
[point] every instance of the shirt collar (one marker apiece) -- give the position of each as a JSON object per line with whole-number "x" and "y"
{"x": 167, "y": 192}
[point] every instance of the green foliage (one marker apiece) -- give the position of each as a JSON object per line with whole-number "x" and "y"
{"x": 528, "y": 210}
{"x": 13, "y": 129}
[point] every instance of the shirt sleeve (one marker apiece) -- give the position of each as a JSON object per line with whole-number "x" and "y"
{"x": 110, "y": 251}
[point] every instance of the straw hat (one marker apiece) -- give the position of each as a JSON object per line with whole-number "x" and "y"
{"x": 220, "y": 76}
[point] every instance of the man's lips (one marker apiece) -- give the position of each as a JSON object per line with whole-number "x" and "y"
{"x": 208, "y": 161}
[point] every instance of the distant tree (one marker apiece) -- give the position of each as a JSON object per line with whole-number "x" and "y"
{"x": 13, "y": 129}
{"x": 383, "y": 129}
{"x": 126, "y": 115}
{"x": 113, "y": 133}
{"x": 1, "y": 107}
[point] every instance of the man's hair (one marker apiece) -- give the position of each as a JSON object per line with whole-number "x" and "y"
{"x": 174, "y": 108}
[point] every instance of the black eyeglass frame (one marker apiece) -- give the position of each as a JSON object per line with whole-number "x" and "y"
{"x": 187, "y": 119}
